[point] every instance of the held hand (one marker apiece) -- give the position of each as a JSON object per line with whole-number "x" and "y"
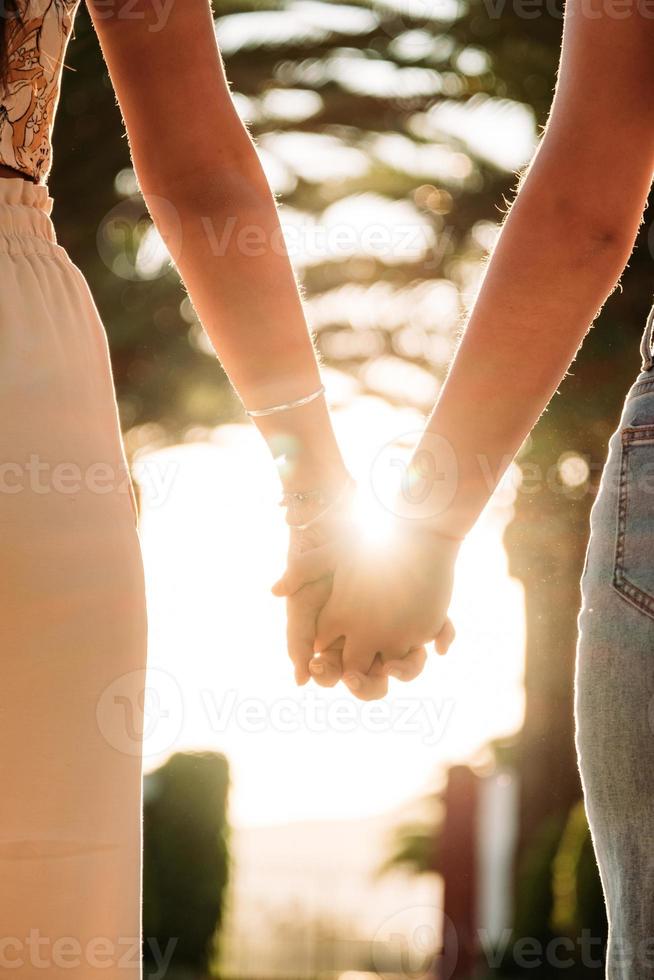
{"x": 303, "y": 606}
{"x": 307, "y": 584}
{"x": 387, "y": 601}
{"x": 384, "y": 605}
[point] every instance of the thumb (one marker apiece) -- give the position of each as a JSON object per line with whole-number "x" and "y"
{"x": 445, "y": 637}
{"x": 306, "y": 567}
{"x": 328, "y": 628}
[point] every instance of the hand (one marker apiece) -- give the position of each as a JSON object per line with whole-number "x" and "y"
{"x": 303, "y": 606}
{"x": 312, "y": 554}
{"x": 384, "y": 606}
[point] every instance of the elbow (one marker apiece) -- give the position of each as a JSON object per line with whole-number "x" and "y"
{"x": 608, "y": 243}
{"x": 596, "y": 190}
{"x": 223, "y": 209}
{"x": 599, "y": 249}
{"x": 223, "y": 189}
{"x": 592, "y": 210}
{"x": 220, "y": 174}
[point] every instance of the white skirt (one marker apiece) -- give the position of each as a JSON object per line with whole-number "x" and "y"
{"x": 72, "y": 622}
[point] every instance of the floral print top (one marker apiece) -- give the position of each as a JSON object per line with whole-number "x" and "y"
{"x": 36, "y": 47}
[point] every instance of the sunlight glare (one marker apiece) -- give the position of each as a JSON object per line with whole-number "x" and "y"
{"x": 214, "y": 542}
{"x": 374, "y": 525}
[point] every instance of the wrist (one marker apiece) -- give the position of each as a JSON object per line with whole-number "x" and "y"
{"x": 304, "y": 447}
{"x": 443, "y": 533}
{"x": 440, "y": 491}
{"x": 305, "y": 469}
{"x": 319, "y": 505}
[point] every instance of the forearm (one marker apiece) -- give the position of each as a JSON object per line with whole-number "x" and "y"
{"x": 228, "y": 246}
{"x": 204, "y": 186}
{"x": 556, "y": 261}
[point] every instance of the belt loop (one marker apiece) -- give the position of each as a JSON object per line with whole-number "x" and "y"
{"x": 648, "y": 342}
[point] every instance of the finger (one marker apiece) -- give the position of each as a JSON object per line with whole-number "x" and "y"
{"x": 394, "y": 652}
{"x": 445, "y": 638}
{"x": 326, "y": 668}
{"x": 301, "y": 628}
{"x": 369, "y": 686}
{"x": 305, "y": 568}
{"x": 329, "y": 629}
{"x": 359, "y": 656}
{"x": 409, "y": 667}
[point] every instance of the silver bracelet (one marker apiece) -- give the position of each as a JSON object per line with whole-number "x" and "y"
{"x": 257, "y": 413}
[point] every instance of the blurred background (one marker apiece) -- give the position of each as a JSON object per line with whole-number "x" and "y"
{"x": 295, "y": 833}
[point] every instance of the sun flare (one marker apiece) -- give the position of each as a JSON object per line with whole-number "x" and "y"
{"x": 373, "y": 523}
{"x": 223, "y": 502}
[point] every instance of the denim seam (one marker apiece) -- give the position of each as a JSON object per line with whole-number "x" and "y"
{"x": 637, "y": 597}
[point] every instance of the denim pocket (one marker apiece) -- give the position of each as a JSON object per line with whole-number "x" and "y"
{"x": 639, "y": 406}
{"x": 633, "y": 575}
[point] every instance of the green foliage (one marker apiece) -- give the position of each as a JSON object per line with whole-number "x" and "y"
{"x": 577, "y": 890}
{"x": 534, "y": 898}
{"x": 186, "y": 859}
{"x": 558, "y": 901}
{"x": 415, "y": 850}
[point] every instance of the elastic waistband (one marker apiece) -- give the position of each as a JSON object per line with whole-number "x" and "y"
{"x": 25, "y": 223}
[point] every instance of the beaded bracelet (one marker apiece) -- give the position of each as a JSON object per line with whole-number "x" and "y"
{"x": 319, "y": 496}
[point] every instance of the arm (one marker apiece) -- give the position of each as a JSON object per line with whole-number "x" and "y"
{"x": 203, "y": 184}
{"x": 560, "y": 253}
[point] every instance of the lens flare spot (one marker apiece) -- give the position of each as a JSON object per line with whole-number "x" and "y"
{"x": 374, "y": 524}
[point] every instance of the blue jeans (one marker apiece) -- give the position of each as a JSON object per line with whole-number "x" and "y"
{"x": 614, "y": 696}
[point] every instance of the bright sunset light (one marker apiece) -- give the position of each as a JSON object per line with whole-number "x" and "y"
{"x": 217, "y": 643}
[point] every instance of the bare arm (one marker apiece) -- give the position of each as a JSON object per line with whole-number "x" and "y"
{"x": 203, "y": 184}
{"x": 560, "y": 253}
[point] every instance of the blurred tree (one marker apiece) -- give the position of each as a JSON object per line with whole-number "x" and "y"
{"x": 185, "y": 861}
{"x": 415, "y": 846}
{"x": 415, "y": 849}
